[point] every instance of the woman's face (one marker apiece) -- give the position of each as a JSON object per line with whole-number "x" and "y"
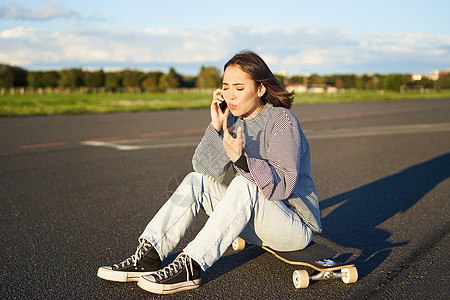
{"x": 241, "y": 93}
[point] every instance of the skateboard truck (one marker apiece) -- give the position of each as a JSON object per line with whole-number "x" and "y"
{"x": 326, "y": 268}
{"x": 326, "y": 262}
{"x": 301, "y": 278}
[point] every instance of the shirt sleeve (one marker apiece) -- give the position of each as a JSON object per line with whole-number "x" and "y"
{"x": 210, "y": 157}
{"x": 277, "y": 175}
{"x": 242, "y": 163}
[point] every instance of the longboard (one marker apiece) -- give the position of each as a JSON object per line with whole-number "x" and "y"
{"x": 316, "y": 256}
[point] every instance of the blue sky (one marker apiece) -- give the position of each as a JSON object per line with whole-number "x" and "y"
{"x": 298, "y": 37}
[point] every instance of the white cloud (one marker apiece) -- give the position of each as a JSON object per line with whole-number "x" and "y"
{"x": 45, "y": 12}
{"x": 17, "y": 33}
{"x": 298, "y": 50}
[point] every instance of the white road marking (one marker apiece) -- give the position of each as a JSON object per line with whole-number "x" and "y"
{"x": 130, "y": 144}
{"x": 134, "y": 147}
{"x": 378, "y": 130}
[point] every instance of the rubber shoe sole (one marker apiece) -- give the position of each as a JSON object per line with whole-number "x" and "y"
{"x": 159, "y": 288}
{"x": 120, "y": 276}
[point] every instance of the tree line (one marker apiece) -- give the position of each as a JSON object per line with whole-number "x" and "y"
{"x": 12, "y": 76}
{"x": 389, "y": 82}
{"x": 208, "y": 77}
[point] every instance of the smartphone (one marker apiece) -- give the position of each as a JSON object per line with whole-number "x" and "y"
{"x": 223, "y": 106}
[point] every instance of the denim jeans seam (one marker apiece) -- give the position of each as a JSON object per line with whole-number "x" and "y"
{"x": 158, "y": 244}
{"x": 224, "y": 232}
{"x": 212, "y": 197}
{"x": 286, "y": 214}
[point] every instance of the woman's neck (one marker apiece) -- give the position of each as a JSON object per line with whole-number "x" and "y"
{"x": 256, "y": 112}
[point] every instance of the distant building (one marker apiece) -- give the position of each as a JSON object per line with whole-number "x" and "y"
{"x": 297, "y": 88}
{"x": 432, "y": 76}
{"x": 315, "y": 89}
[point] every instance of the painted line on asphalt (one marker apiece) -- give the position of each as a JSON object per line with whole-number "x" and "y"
{"x": 312, "y": 134}
{"x": 379, "y": 130}
{"x": 365, "y": 114}
{"x": 47, "y": 145}
{"x": 127, "y": 145}
{"x": 195, "y": 130}
{"x": 134, "y": 147}
{"x": 163, "y": 133}
{"x": 111, "y": 138}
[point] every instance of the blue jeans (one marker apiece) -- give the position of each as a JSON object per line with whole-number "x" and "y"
{"x": 237, "y": 210}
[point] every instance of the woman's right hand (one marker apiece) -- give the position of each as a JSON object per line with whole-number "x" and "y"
{"x": 217, "y": 115}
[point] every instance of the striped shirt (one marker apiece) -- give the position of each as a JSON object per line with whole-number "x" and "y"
{"x": 278, "y": 160}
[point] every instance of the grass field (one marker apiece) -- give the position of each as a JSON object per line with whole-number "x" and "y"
{"x": 34, "y": 105}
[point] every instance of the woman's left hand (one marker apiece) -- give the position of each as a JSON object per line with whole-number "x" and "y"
{"x": 232, "y": 143}
{"x": 217, "y": 115}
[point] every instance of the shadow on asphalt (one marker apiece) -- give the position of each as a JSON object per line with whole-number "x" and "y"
{"x": 230, "y": 262}
{"x": 361, "y": 210}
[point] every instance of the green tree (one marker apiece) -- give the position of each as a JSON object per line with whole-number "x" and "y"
{"x": 132, "y": 78}
{"x": 113, "y": 80}
{"x": 151, "y": 82}
{"x": 94, "y": 79}
{"x": 339, "y": 84}
{"x": 330, "y": 80}
{"x": 280, "y": 78}
{"x": 33, "y": 78}
{"x": 189, "y": 81}
{"x": 362, "y": 82}
{"x": 49, "y": 79}
{"x": 209, "y": 77}
{"x": 393, "y": 82}
{"x": 296, "y": 79}
{"x": 316, "y": 79}
{"x": 426, "y": 83}
{"x": 70, "y": 78}
{"x": 381, "y": 82}
{"x": 375, "y": 81}
{"x": 6, "y": 76}
{"x": 349, "y": 81}
{"x": 11, "y": 76}
{"x": 170, "y": 80}
{"x": 443, "y": 82}
{"x": 37, "y": 79}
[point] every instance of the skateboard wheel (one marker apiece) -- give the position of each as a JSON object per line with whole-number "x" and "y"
{"x": 238, "y": 244}
{"x": 350, "y": 275}
{"x": 300, "y": 279}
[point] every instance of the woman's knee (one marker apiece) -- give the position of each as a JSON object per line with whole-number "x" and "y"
{"x": 200, "y": 183}
{"x": 197, "y": 176}
{"x": 194, "y": 179}
{"x": 241, "y": 182}
{"x": 193, "y": 174}
{"x": 286, "y": 239}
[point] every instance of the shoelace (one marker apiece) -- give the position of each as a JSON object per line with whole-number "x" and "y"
{"x": 134, "y": 259}
{"x": 176, "y": 266}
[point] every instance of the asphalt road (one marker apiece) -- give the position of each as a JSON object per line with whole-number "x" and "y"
{"x": 76, "y": 192}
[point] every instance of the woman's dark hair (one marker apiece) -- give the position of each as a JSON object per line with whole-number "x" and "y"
{"x": 276, "y": 94}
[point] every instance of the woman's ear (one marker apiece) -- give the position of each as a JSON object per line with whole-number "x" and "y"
{"x": 261, "y": 90}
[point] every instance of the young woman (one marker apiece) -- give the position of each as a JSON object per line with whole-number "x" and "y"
{"x": 271, "y": 201}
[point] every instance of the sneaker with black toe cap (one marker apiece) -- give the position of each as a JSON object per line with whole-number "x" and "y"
{"x": 182, "y": 274}
{"x": 145, "y": 261}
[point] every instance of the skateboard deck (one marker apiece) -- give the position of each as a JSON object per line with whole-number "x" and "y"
{"x": 317, "y": 256}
